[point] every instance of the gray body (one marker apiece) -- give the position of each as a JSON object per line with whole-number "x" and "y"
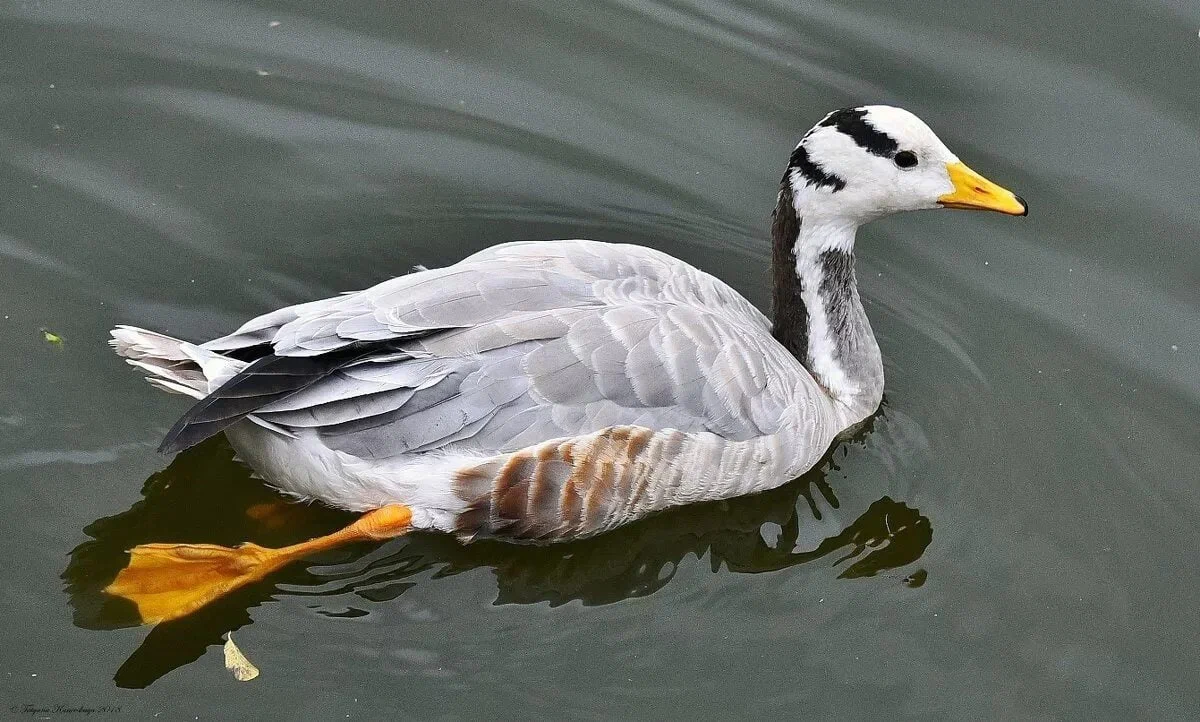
{"x": 533, "y": 391}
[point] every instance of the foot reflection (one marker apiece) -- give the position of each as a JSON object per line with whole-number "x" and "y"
{"x": 206, "y": 496}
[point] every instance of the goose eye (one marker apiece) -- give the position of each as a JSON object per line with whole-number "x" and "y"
{"x": 906, "y": 159}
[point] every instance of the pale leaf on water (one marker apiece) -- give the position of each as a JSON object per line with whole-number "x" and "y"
{"x": 236, "y": 662}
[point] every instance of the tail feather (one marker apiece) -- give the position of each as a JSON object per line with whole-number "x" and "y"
{"x": 171, "y": 364}
{"x": 177, "y": 377}
{"x": 173, "y": 388}
{"x": 135, "y": 343}
{"x": 180, "y": 367}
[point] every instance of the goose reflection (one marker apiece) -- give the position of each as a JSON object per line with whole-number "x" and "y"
{"x": 205, "y": 495}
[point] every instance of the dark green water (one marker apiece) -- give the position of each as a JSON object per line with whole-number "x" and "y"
{"x": 185, "y": 165}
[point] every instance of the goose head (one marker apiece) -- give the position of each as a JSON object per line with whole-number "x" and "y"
{"x": 863, "y": 163}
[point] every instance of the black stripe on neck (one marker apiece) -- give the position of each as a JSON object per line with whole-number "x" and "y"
{"x": 837, "y": 296}
{"x": 789, "y": 324}
{"x": 814, "y": 174}
{"x": 853, "y": 122}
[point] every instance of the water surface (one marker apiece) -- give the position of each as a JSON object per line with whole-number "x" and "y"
{"x": 1013, "y": 536}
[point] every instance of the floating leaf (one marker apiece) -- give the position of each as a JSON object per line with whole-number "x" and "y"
{"x": 237, "y": 663}
{"x": 51, "y": 337}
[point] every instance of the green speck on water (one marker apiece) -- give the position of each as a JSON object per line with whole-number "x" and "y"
{"x": 52, "y": 338}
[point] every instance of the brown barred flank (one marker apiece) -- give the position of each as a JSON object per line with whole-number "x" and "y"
{"x": 557, "y": 490}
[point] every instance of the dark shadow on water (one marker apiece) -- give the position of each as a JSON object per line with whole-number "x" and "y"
{"x": 206, "y": 496}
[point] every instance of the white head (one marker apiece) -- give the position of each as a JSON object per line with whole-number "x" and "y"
{"x": 862, "y": 163}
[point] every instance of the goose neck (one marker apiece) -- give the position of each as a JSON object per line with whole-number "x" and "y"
{"x": 818, "y": 315}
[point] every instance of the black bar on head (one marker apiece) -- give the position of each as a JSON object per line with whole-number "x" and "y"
{"x": 853, "y": 122}
{"x": 813, "y": 173}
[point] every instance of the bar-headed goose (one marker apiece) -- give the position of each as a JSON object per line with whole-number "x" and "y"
{"x": 545, "y": 391}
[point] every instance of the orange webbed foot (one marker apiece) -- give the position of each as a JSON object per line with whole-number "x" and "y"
{"x": 168, "y": 581}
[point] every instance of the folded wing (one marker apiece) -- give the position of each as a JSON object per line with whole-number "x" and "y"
{"x": 516, "y": 345}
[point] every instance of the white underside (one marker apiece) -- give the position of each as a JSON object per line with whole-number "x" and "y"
{"x": 305, "y": 468}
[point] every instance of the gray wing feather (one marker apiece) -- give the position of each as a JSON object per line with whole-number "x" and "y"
{"x": 527, "y": 342}
{"x": 362, "y": 380}
{"x": 340, "y": 411}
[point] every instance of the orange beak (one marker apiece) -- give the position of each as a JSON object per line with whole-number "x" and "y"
{"x": 974, "y": 192}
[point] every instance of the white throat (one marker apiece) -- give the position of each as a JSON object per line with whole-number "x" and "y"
{"x": 827, "y": 328}
{"x": 814, "y": 246}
